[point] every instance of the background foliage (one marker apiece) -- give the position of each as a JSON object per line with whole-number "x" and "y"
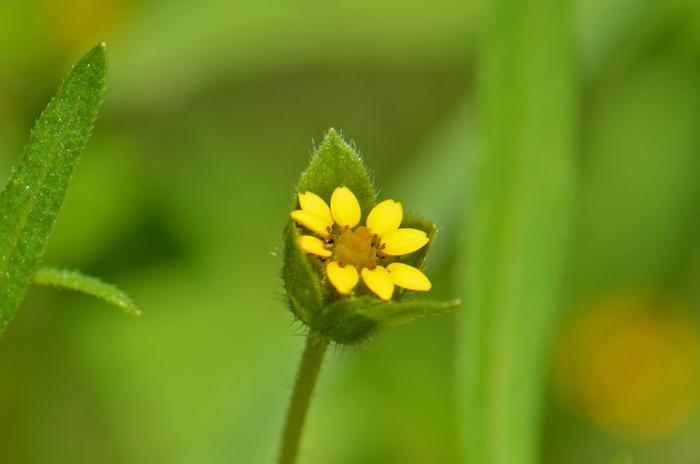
{"x": 182, "y": 193}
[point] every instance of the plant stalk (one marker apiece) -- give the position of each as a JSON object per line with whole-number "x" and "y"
{"x": 311, "y": 363}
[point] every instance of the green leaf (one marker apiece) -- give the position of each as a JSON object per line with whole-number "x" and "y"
{"x": 75, "y": 280}
{"x": 353, "y": 321}
{"x": 336, "y": 164}
{"x": 518, "y": 223}
{"x": 33, "y": 196}
{"x": 300, "y": 279}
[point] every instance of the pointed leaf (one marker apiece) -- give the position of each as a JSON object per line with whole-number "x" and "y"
{"x": 33, "y": 196}
{"x": 75, "y": 280}
{"x": 336, "y": 164}
{"x": 353, "y": 321}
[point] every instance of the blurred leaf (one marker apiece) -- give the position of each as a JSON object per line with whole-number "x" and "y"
{"x": 75, "y": 280}
{"x": 33, "y": 196}
{"x": 519, "y": 217}
{"x": 233, "y": 39}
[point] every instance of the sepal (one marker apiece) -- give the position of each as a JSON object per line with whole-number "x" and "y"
{"x": 336, "y": 164}
{"x": 418, "y": 258}
{"x": 301, "y": 280}
{"x": 354, "y": 321}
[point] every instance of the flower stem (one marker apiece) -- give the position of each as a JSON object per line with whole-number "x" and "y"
{"x": 306, "y": 380}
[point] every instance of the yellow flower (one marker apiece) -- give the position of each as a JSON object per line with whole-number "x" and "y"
{"x": 353, "y": 252}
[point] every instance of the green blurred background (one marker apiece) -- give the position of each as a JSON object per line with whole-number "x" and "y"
{"x": 209, "y": 117}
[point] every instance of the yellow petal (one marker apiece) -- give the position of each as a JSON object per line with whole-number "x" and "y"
{"x": 314, "y": 246}
{"x": 385, "y": 217}
{"x": 403, "y": 241}
{"x": 408, "y": 277}
{"x": 314, "y": 204}
{"x": 379, "y": 281}
{"x": 343, "y": 279}
{"x": 345, "y": 208}
{"x": 312, "y": 221}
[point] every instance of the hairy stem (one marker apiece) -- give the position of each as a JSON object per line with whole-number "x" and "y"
{"x": 306, "y": 380}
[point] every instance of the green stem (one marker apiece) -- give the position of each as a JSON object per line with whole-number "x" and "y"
{"x": 306, "y": 380}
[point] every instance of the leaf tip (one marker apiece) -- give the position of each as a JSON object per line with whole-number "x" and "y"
{"x": 97, "y": 57}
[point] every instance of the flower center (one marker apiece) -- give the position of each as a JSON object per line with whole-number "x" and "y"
{"x": 356, "y": 248}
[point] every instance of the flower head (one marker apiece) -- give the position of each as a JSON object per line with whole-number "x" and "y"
{"x": 344, "y": 255}
{"x": 352, "y": 251}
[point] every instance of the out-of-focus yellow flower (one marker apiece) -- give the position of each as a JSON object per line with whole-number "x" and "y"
{"x": 353, "y": 252}
{"x": 631, "y": 365}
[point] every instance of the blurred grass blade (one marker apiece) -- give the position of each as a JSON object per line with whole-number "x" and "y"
{"x": 74, "y": 280}
{"x": 519, "y": 218}
{"x": 33, "y": 196}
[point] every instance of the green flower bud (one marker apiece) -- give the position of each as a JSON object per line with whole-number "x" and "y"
{"x": 348, "y": 262}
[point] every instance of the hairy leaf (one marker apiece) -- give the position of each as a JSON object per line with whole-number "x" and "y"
{"x": 33, "y": 196}
{"x": 300, "y": 279}
{"x": 336, "y": 164}
{"x": 354, "y": 321}
{"x": 75, "y": 280}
